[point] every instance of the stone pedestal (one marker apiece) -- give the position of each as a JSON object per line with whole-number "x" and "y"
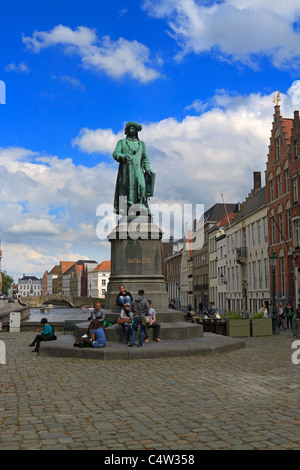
{"x": 136, "y": 262}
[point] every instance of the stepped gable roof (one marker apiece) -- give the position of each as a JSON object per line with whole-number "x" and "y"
{"x": 288, "y": 124}
{"x": 254, "y": 201}
{"x": 104, "y": 266}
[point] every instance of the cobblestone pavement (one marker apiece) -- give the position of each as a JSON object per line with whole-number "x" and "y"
{"x": 248, "y": 399}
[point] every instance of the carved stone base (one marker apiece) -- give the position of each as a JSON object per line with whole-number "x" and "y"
{"x": 136, "y": 262}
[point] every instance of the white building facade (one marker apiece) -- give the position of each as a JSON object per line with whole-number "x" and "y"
{"x": 30, "y": 286}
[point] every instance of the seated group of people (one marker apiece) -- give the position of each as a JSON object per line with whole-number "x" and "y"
{"x": 137, "y": 314}
{"x": 134, "y": 314}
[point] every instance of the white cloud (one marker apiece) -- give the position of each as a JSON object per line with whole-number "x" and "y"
{"x": 91, "y": 141}
{"x": 241, "y": 30}
{"x": 115, "y": 58}
{"x": 204, "y": 155}
{"x": 35, "y": 226}
{"x": 48, "y": 204}
{"x": 74, "y": 82}
{"x": 21, "y": 67}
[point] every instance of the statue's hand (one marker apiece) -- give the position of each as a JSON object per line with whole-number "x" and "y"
{"x": 129, "y": 159}
{"x": 150, "y": 172}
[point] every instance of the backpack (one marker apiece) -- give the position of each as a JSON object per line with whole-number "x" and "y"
{"x": 79, "y": 343}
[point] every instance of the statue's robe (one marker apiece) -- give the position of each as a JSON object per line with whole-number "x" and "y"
{"x": 131, "y": 176}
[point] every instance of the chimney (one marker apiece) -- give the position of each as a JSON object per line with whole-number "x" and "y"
{"x": 171, "y": 239}
{"x": 194, "y": 224}
{"x": 296, "y": 115}
{"x": 257, "y": 180}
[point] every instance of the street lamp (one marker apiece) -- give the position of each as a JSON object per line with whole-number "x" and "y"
{"x": 273, "y": 259}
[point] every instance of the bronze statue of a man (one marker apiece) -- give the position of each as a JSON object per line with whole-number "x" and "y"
{"x": 135, "y": 179}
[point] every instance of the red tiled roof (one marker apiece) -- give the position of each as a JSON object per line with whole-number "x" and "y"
{"x": 54, "y": 270}
{"x": 223, "y": 222}
{"x": 104, "y": 266}
{"x": 65, "y": 265}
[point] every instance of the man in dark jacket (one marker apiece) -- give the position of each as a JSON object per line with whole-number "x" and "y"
{"x": 140, "y": 309}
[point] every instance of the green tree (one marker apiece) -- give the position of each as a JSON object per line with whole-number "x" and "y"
{"x": 7, "y": 282}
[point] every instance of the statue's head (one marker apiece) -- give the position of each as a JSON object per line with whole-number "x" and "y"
{"x": 132, "y": 128}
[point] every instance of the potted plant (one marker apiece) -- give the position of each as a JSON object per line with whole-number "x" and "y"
{"x": 260, "y": 325}
{"x": 237, "y": 326}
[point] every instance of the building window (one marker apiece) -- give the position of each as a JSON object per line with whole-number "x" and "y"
{"x": 249, "y": 273}
{"x": 103, "y": 282}
{"x": 296, "y": 233}
{"x": 254, "y": 275}
{"x": 282, "y": 277}
{"x": 277, "y": 148}
{"x": 295, "y": 189}
{"x": 279, "y": 187}
{"x": 287, "y": 181}
{"x": 266, "y": 229}
{"x": 272, "y": 230}
{"x": 289, "y": 224}
{"x": 253, "y": 233}
{"x": 280, "y": 225}
{"x": 259, "y": 232}
{"x": 260, "y": 277}
{"x": 266, "y": 261}
{"x": 271, "y": 190}
{"x": 296, "y": 148}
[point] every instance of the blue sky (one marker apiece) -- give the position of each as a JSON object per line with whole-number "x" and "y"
{"x": 198, "y": 75}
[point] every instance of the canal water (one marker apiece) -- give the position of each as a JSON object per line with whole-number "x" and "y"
{"x": 59, "y": 314}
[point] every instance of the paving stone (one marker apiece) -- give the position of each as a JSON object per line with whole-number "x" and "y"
{"x": 225, "y": 401}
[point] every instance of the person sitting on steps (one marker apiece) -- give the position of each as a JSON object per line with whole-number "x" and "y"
{"x": 45, "y": 334}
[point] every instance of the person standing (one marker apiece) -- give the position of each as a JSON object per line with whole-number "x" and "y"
{"x": 152, "y": 324}
{"x": 280, "y": 311}
{"x": 264, "y": 311}
{"x": 140, "y": 308}
{"x": 289, "y": 314}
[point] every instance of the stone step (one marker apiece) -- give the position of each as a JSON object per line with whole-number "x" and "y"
{"x": 168, "y": 331}
{"x": 162, "y": 316}
{"x": 208, "y": 344}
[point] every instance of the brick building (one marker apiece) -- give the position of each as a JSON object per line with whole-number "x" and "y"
{"x": 294, "y": 166}
{"x": 280, "y": 186}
